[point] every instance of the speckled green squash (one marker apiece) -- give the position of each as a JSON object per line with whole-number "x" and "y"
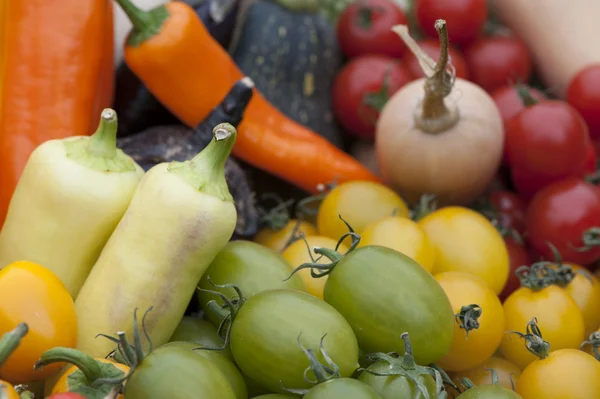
{"x": 292, "y": 57}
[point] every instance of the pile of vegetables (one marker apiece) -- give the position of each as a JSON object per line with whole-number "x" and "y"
{"x": 271, "y": 199}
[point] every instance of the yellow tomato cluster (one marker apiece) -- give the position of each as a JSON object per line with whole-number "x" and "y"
{"x": 467, "y": 256}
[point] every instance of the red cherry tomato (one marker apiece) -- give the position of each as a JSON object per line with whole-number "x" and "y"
{"x": 509, "y": 102}
{"x": 66, "y": 395}
{"x": 361, "y": 80}
{"x": 432, "y": 48}
{"x": 518, "y": 256}
{"x": 464, "y": 18}
{"x": 365, "y": 27}
{"x": 497, "y": 61}
{"x": 591, "y": 160}
{"x": 583, "y": 94}
{"x": 563, "y": 214}
{"x": 547, "y": 139}
{"x": 509, "y": 210}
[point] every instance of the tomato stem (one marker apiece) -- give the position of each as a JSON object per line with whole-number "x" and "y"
{"x": 495, "y": 379}
{"x": 525, "y": 95}
{"x": 594, "y": 341}
{"x": 427, "y": 204}
{"x": 468, "y": 317}
{"x": 590, "y": 239}
{"x": 86, "y": 364}
{"x": 406, "y": 367}
{"x": 11, "y": 340}
{"x": 467, "y": 383}
{"x": 279, "y": 215}
{"x": 534, "y": 342}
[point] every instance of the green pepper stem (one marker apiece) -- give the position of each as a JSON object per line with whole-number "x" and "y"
{"x": 89, "y": 366}
{"x": 11, "y": 340}
{"x": 140, "y": 19}
{"x": 103, "y": 142}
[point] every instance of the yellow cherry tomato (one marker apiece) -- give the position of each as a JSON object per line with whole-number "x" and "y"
{"x": 278, "y": 239}
{"x": 466, "y": 241}
{"x": 508, "y": 374}
{"x": 7, "y": 391}
{"x": 585, "y": 290}
{"x": 359, "y": 203}
{"x": 403, "y": 235}
{"x": 558, "y": 316}
{"x": 32, "y": 294}
{"x": 298, "y": 254}
{"x": 563, "y": 374}
{"x": 472, "y": 349}
{"x": 63, "y": 383}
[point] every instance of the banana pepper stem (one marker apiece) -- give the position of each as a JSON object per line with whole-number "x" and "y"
{"x": 104, "y": 141}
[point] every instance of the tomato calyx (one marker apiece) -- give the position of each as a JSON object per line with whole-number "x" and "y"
{"x": 435, "y": 116}
{"x": 11, "y": 340}
{"x": 375, "y": 100}
{"x": 534, "y": 342}
{"x": 406, "y": 367}
{"x": 590, "y": 239}
{"x": 318, "y": 270}
{"x": 427, "y": 204}
{"x": 525, "y": 95}
{"x": 322, "y": 372}
{"x": 365, "y": 14}
{"x": 594, "y": 341}
{"x": 468, "y": 317}
{"x": 543, "y": 274}
{"x": 90, "y": 376}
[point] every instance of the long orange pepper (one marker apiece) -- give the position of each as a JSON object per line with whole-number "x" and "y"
{"x": 173, "y": 54}
{"x": 53, "y": 55}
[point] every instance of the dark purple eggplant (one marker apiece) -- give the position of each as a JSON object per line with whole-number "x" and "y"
{"x": 137, "y": 108}
{"x": 179, "y": 143}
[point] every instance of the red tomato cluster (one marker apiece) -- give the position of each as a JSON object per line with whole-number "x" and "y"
{"x": 379, "y": 63}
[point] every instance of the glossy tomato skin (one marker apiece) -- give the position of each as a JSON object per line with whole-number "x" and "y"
{"x": 298, "y": 254}
{"x": 585, "y": 291}
{"x": 489, "y": 392}
{"x": 201, "y": 332}
{"x": 348, "y": 200}
{"x": 464, "y": 18}
{"x": 507, "y": 373}
{"x": 395, "y": 386}
{"x": 226, "y": 366}
{"x": 466, "y": 241}
{"x": 518, "y": 257}
{"x": 188, "y": 374}
{"x": 7, "y": 391}
{"x": 472, "y": 349}
{"x": 560, "y": 214}
{"x": 408, "y": 299}
{"x": 403, "y": 235}
{"x": 554, "y": 309}
{"x": 264, "y": 338}
{"x": 360, "y": 79}
{"x": 366, "y": 28}
{"x": 510, "y": 103}
{"x": 278, "y": 239}
{"x": 248, "y": 265}
{"x": 32, "y": 294}
{"x": 509, "y": 210}
{"x": 547, "y": 139}
{"x": 583, "y": 94}
{"x": 431, "y": 47}
{"x": 565, "y": 373}
{"x": 347, "y": 388}
{"x": 591, "y": 160}
{"x": 497, "y": 61}
{"x": 66, "y": 395}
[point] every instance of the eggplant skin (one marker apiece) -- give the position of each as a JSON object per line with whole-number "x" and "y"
{"x": 137, "y": 108}
{"x": 174, "y": 143}
{"x": 293, "y": 59}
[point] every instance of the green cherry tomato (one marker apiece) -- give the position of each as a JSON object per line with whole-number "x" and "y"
{"x": 250, "y": 266}
{"x": 227, "y": 367}
{"x": 275, "y": 396}
{"x": 270, "y": 326}
{"x": 489, "y": 392}
{"x": 177, "y": 373}
{"x": 383, "y": 293}
{"x": 342, "y": 388}
{"x": 199, "y": 331}
{"x": 395, "y": 386}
